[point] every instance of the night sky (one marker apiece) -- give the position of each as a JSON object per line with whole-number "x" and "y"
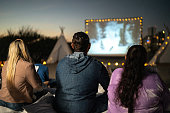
{"x": 47, "y": 15}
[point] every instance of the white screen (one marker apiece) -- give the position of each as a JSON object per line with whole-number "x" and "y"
{"x": 113, "y": 37}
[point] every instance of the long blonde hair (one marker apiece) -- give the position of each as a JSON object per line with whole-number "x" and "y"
{"x": 17, "y": 50}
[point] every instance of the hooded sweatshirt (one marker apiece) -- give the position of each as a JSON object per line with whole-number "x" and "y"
{"x": 78, "y": 77}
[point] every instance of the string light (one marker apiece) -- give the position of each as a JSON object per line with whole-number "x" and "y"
{"x": 163, "y": 47}
{"x": 145, "y": 64}
{"x": 116, "y": 64}
{"x": 44, "y": 63}
{"x": 109, "y": 63}
{"x": 2, "y": 65}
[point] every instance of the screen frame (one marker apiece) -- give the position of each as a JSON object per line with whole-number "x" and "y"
{"x": 140, "y": 19}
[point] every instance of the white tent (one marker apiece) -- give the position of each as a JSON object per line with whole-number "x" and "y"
{"x": 60, "y": 50}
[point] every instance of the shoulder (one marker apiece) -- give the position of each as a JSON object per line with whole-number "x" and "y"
{"x": 116, "y": 76}
{"x": 151, "y": 76}
{"x": 152, "y": 80}
{"x": 26, "y": 64}
{"x": 63, "y": 60}
{"x": 95, "y": 61}
{"x": 117, "y": 71}
{"x": 63, "y": 63}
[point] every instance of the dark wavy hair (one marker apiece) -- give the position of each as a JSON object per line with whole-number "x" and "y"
{"x": 132, "y": 76}
{"x": 80, "y": 41}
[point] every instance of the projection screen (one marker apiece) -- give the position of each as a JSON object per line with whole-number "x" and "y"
{"x": 113, "y": 37}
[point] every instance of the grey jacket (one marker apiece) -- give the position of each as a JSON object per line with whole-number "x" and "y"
{"x": 78, "y": 77}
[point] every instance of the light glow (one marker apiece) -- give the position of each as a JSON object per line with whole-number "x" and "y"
{"x": 116, "y": 64}
{"x": 163, "y": 47}
{"x": 44, "y": 63}
{"x": 109, "y": 63}
{"x": 145, "y": 64}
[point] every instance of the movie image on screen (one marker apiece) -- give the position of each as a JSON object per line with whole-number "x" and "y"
{"x": 113, "y": 36}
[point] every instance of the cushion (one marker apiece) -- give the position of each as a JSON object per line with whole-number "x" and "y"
{"x": 8, "y": 110}
{"x": 42, "y": 105}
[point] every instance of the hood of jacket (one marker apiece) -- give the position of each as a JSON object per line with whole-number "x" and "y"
{"x": 77, "y": 62}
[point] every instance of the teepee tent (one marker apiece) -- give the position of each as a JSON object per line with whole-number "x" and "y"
{"x": 60, "y": 50}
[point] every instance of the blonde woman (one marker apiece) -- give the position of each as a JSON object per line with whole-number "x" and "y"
{"x": 18, "y": 78}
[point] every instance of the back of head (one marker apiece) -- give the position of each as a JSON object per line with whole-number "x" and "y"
{"x": 17, "y": 50}
{"x": 80, "y": 41}
{"x": 132, "y": 76}
{"x": 136, "y": 57}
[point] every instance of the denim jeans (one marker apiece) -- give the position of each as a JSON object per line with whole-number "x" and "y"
{"x": 13, "y": 106}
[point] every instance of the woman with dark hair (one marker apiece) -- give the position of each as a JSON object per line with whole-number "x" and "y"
{"x": 135, "y": 88}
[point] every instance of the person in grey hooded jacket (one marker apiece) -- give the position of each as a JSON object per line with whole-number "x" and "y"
{"x": 78, "y": 76}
